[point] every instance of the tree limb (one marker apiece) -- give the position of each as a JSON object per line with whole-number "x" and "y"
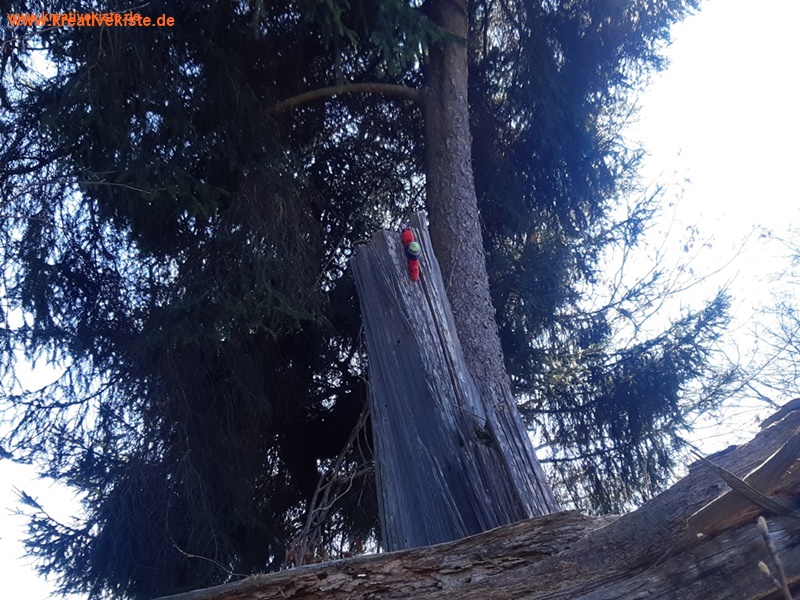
{"x": 385, "y": 89}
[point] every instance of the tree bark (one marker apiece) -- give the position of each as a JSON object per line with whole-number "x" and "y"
{"x": 457, "y": 239}
{"x": 658, "y": 552}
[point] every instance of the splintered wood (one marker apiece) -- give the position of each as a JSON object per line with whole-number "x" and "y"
{"x": 449, "y": 462}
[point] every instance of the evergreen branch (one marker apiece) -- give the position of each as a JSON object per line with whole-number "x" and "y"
{"x": 385, "y": 89}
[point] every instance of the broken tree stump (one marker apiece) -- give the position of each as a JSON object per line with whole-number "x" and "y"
{"x": 449, "y": 463}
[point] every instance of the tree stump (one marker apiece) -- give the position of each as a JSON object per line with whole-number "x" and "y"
{"x": 446, "y": 460}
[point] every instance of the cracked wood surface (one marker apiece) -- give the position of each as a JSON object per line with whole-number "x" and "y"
{"x": 450, "y": 459}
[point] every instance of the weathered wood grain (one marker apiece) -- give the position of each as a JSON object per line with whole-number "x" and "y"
{"x": 448, "y": 461}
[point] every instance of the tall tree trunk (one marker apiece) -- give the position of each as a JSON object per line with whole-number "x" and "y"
{"x": 456, "y": 234}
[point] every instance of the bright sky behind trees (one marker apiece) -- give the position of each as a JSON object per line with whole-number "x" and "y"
{"x": 720, "y": 126}
{"x": 724, "y": 118}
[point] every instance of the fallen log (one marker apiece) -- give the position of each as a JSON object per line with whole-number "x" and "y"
{"x": 661, "y": 551}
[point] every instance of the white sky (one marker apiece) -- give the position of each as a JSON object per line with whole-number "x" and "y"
{"x": 724, "y": 116}
{"x": 721, "y": 123}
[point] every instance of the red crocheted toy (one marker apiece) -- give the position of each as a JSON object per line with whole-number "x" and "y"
{"x": 413, "y": 250}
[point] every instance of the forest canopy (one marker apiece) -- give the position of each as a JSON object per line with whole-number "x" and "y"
{"x": 175, "y": 245}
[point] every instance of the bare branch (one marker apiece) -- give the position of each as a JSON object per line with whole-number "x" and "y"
{"x": 385, "y": 89}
